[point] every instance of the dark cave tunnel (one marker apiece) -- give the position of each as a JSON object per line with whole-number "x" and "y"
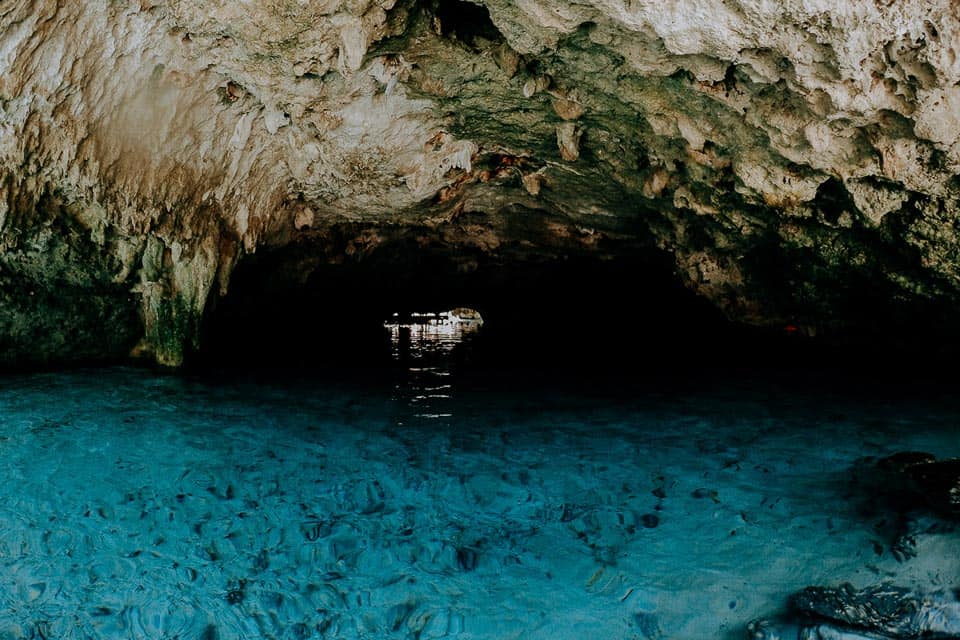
{"x": 300, "y": 307}
{"x": 628, "y": 313}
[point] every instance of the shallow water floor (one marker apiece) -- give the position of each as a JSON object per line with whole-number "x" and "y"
{"x": 153, "y": 506}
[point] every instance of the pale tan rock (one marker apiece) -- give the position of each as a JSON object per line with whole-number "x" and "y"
{"x": 533, "y": 182}
{"x": 147, "y": 147}
{"x": 656, "y": 183}
{"x": 568, "y": 106}
{"x": 304, "y": 218}
{"x": 533, "y": 86}
{"x": 568, "y": 140}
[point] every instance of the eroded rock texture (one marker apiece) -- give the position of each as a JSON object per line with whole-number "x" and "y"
{"x": 879, "y": 612}
{"x": 797, "y": 160}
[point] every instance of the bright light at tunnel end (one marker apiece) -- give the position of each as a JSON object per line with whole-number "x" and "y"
{"x": 458, "y": 316}
{"x": 422, "y": 333}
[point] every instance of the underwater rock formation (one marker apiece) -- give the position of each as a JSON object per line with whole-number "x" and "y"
{"x": 845, "y": 613}
{"x": 909, "y": 493}
{"x": 933, "y": 482}
{"x": 793, "y": 163}
{"x": 907, "y": 481}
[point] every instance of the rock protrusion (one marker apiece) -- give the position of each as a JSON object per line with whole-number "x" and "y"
{"x": 568, "y": 140}
{"x": 878, "y": 612}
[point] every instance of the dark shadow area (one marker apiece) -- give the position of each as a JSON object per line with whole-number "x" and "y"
{"x": 833, "y": 199}
{"x": 624, "y": 313}
{"x": 579, "y": 316}
{"x": 466, "y": 22}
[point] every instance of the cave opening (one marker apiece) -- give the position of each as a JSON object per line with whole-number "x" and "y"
{"x": 628, "y": 313}
{"x": 326, "y": 302}
{"x": 423, "y": 336}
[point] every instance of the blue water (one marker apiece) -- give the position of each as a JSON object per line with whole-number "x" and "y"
{"x": 420, "y": 505}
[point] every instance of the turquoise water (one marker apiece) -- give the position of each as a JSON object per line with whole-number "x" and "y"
{"x": 422, "y": 504}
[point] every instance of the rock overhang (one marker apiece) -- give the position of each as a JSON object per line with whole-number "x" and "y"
{"x": 796, "y": 162}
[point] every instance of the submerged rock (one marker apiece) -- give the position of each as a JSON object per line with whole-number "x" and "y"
{"x": 767, "y": 630}
{"x": 936, "y": 482}
{"x": 905, "y": 482}
{"x": 845, "y": 613}
{"x": 907, "y": 494}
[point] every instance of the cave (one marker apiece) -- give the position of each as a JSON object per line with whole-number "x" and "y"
{"x": 538, "y": 311}
{"x": 620, "y": 311}
{"x": 479, "y": 319}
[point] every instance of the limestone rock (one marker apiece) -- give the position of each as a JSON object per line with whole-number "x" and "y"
{"x": 568, "y": 140}
{"x": 884, "y": 611}
{"x": 798, "y": 162}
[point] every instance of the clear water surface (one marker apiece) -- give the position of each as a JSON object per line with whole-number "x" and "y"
{"x": 139, "y": 505}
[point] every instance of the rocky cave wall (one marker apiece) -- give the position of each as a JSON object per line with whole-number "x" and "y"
{"x": 796, "y": 162}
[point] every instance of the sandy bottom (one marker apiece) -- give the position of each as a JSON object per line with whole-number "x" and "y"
{"x": 141, "y": 506}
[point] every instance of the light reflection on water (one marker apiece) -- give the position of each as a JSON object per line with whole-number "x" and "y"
{"x": 423, "y": 343}
{"x": 425, "y": 336}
